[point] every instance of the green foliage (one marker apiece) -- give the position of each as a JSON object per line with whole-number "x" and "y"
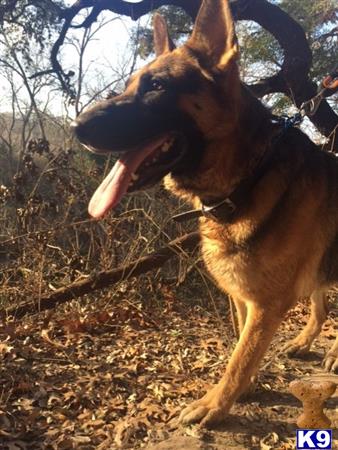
{"x": 26, "y": 23}
{"x": 261, "y": 54}
{"x": 319, "y": 21}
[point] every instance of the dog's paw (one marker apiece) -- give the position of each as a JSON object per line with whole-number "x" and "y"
{"x": 330, "y": 361}
{"x": 208, "y": 411}
{"x": 299, "y": 346}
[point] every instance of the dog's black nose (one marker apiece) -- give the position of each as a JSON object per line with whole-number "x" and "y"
{"x": 80, "y": 131}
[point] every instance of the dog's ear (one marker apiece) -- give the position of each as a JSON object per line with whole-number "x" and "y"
{"x": 162, "y": 40}
{"x": 213, "y": 38}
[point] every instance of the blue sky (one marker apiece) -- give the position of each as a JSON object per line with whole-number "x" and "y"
{"x": 106, "y": 55}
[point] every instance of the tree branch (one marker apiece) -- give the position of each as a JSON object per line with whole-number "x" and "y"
{"x": 136, "y": 10}
{"x": 185, "y": 243}
{"x": 270, "y": 85}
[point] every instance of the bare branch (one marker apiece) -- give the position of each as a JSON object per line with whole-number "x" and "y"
{"x": 185, "y": 243}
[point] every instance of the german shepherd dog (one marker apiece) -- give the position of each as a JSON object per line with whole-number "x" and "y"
{"x": 269, "y": 220}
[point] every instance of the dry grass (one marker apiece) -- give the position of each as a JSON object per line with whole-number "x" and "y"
{"x": 48, "y": 240}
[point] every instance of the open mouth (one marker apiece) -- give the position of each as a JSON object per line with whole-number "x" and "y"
{"x": 136, "y": 169}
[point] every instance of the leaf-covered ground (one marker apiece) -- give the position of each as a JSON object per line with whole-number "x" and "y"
{"x": 112, "y": 376}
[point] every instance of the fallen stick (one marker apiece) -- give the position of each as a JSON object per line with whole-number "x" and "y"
{"x": 107, "y": 278}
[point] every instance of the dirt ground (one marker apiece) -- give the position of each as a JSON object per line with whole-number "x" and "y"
{"x": 115, "y": 375}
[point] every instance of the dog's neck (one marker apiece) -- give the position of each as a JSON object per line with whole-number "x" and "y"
{"x": 237, "y": 153}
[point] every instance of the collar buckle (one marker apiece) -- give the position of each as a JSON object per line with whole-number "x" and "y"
{"x": 219, "y": 211}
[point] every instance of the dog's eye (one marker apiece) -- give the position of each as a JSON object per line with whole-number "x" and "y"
{"x": 151, "y": 84}
{"x": 156, "y": 85}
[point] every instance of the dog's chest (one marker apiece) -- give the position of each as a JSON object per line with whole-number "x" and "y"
{"x": 228, "y": 261}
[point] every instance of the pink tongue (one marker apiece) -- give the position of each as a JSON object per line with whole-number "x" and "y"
{"x": 116, "y": 183}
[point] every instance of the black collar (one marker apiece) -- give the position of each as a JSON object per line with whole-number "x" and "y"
{"x": 224, "y": 210}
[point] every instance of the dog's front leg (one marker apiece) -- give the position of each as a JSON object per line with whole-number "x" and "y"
{"x": 260, "y": 326}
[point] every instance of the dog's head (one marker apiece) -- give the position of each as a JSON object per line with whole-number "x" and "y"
{"x": 170, "y": 111}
